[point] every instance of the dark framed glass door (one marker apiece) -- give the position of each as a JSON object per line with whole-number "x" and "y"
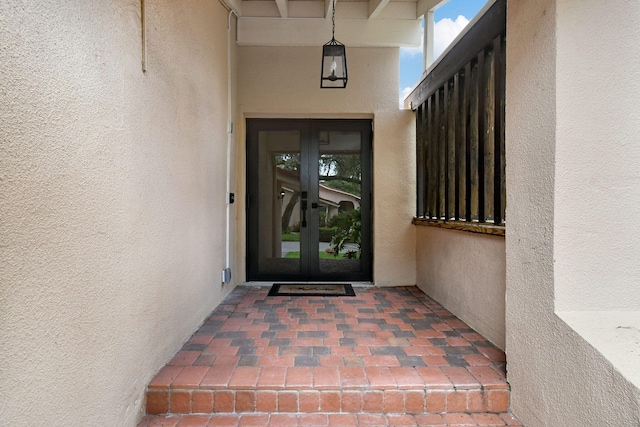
{"x": 309, "y": 200}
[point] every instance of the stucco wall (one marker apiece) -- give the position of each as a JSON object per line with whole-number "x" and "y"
{"x": 465, "y": 272}
{"x": 112, "y": 200}
{"x": 284, "y": 82}
{"x": 557, "y": 377}
{"x": 598, "y": 157}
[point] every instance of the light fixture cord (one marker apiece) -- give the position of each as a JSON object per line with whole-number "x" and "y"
{"x": 333, "y": 21}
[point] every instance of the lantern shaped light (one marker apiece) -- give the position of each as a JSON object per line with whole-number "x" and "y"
{"x": 334, "y": 61}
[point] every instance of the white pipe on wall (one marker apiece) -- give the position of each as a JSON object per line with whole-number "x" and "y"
{"x": 226, "y": 274}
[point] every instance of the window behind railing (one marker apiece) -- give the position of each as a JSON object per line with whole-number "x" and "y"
{"x": 460, "y": 131}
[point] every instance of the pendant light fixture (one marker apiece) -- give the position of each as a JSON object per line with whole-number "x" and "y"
{"x": 334, "y": 60}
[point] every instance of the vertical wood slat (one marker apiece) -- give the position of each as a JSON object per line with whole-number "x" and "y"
{"x": 433, "y": 172}
{"x": 436, "y": 154}
{"x": 419, "y": 170}
{"x": 472, "y": 158}
{"x": 465, "y": 89}
{"x": 481, "y": 134}
{"x": 489, "y": 137}
{"x": 425, "y": 152}
{"x": 425, "y": 141}
{"x": 499, "y": 87}
{"x": 425, "y": 155}
{"x": 451, "y": 150}
{"x": 425, "y": 159}
{"x": 444, "y": 152}
{"x": 456, "y": 138}
{"x": 444, "y": 156}
{"x": 429, "y": 160}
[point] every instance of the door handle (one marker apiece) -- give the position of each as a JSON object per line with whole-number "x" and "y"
{"x": 303, "y": 207}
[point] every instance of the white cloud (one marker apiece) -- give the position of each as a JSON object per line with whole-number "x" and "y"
{"x": 403, "y": 94}
{"x": 445, "y": 31}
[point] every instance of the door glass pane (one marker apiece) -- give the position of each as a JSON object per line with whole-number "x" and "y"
{"x": 339, "y": 191}
{"x": 279, "y": 202}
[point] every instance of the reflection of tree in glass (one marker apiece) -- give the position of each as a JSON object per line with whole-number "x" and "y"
{"x": 342, "y": 172}
{"x": 289, "y": 162}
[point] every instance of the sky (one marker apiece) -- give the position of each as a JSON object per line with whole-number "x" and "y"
{"x": 450, "y": 19}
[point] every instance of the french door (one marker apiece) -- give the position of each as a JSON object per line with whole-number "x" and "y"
{"x": 309, "y": 200}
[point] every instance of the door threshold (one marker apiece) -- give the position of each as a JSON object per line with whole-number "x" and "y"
{"x": 354, "y": 284}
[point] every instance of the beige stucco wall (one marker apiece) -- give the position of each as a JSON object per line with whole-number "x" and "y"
{"x": 598, "y": 158}
{"x": 284, "y": 82}
{"x": 465, "y": 272}
{"x": 112, "y": 200}
{"x": 564, "y": 184}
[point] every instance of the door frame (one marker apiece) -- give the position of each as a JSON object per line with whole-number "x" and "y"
{"x": 310, "y": 129}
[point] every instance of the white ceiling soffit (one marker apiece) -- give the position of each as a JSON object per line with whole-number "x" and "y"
{"x": 369, "y": 23}
{"x": 316, "y": 32}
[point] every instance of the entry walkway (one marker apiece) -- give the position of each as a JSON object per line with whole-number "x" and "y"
{"x": 388, "y": 356}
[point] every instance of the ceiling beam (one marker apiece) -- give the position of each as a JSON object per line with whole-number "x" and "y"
{"x": 328, "y": 8}
{"x": 316, "y": 32}
{"x": 283, "y": 7}
{"x": 376, "y": 6}
{"x": 424, "y": 6}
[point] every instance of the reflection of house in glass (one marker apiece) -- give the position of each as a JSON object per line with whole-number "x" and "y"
{"x": 332, "y": 200}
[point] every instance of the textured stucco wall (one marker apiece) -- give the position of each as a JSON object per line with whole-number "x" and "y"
{"x": 111, "y": 200}
{"x": 465, "y": 272}
{"x": 557, "y": 377}
{"x": 598, "y": 157}
{"x": 284, "y": 82}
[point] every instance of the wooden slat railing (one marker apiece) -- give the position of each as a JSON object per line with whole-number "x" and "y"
{"x": 460, "y": 131}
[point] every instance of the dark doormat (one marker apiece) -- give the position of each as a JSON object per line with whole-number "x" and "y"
{"x": 315, "y": 290}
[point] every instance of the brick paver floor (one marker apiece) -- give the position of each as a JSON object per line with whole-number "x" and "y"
{"x": 388, "y": 354}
